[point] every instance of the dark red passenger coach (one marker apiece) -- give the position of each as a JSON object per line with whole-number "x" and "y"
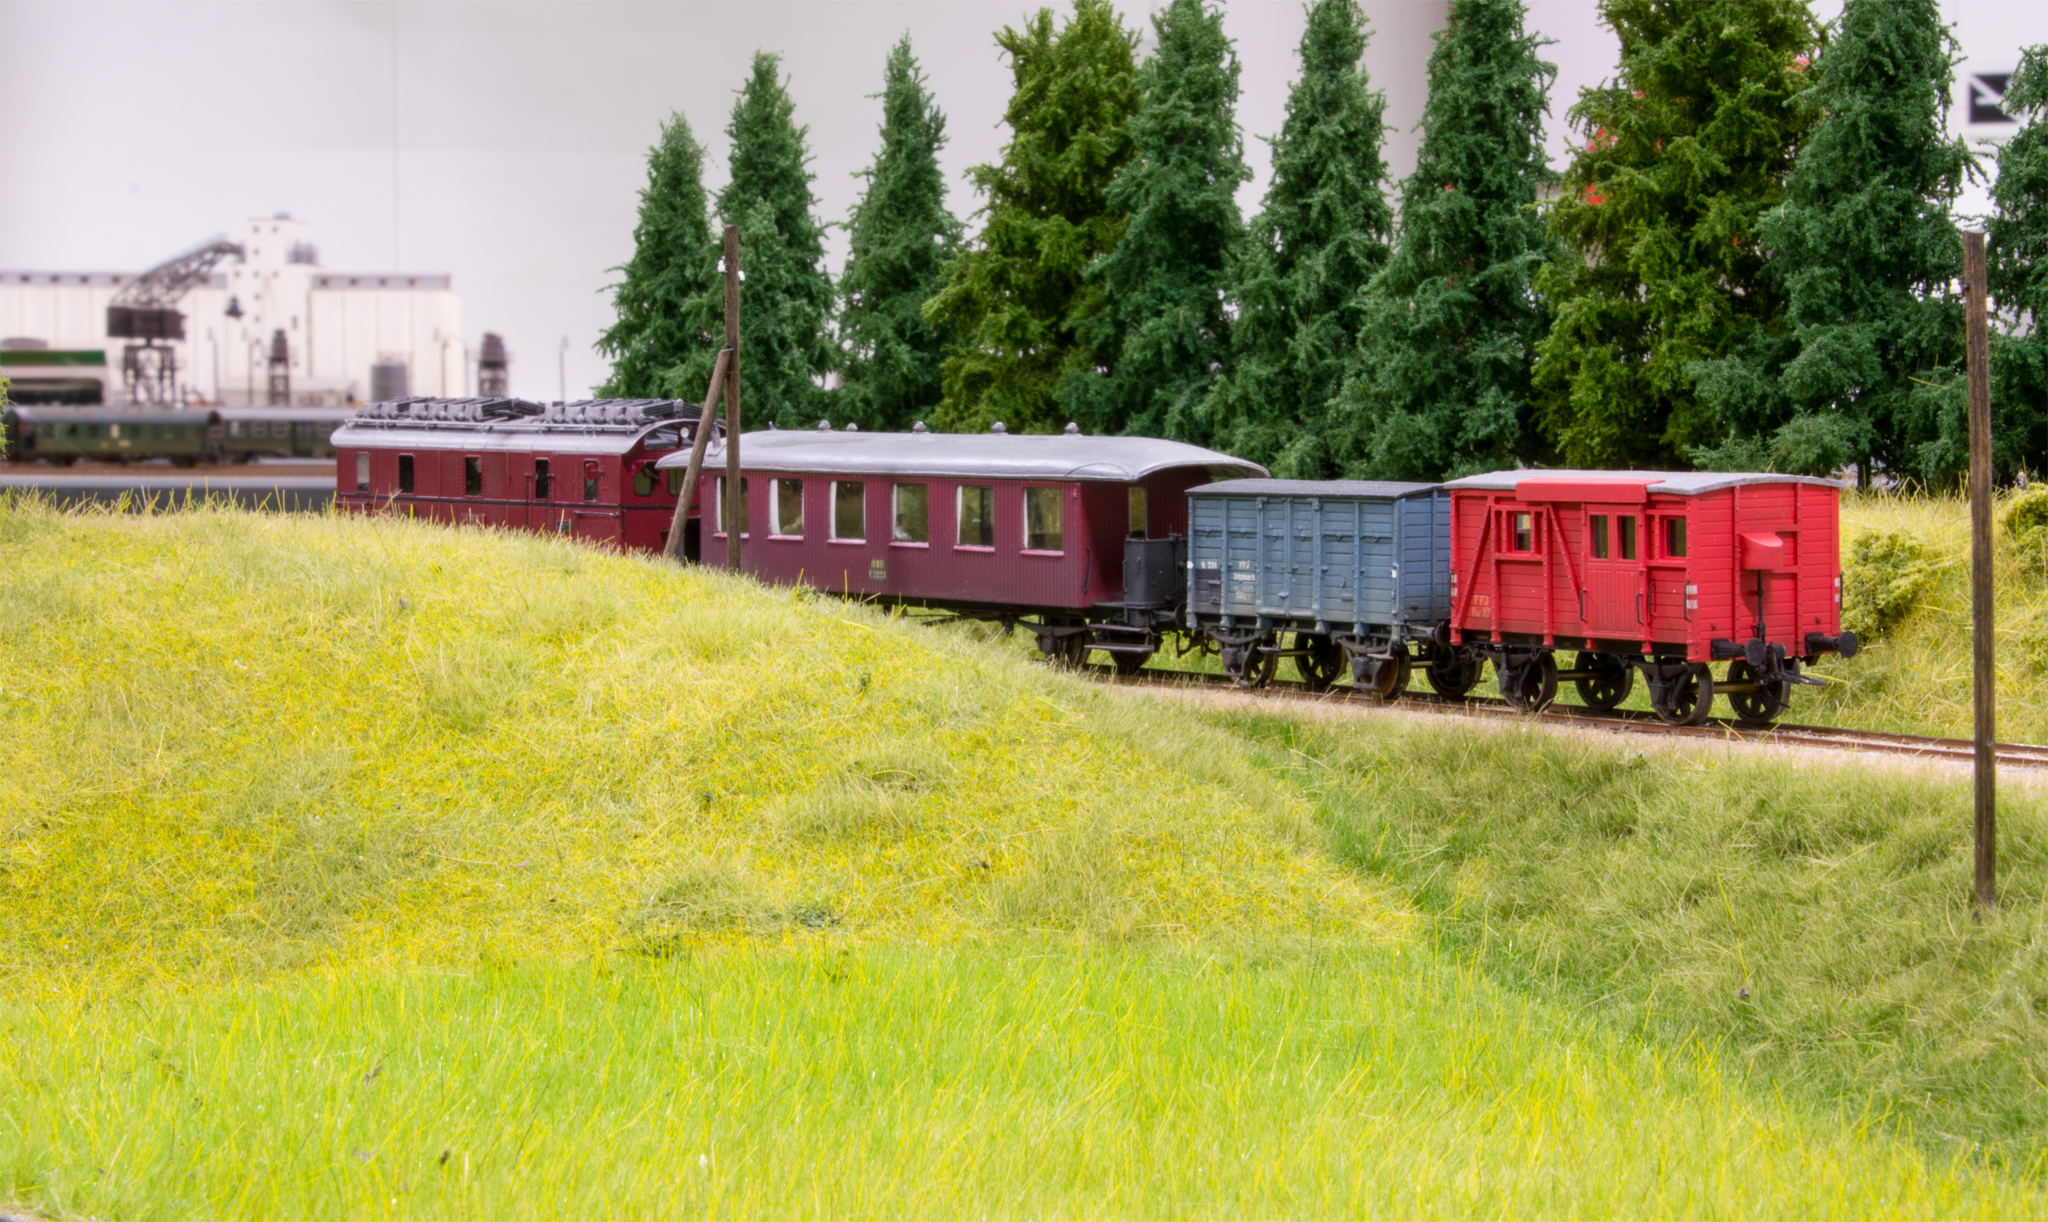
{"x": 1662, "y": 572}
{"x": 583, "y": 469}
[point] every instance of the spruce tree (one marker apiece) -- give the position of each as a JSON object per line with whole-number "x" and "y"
{"x": 2018, "y": 235}
{"x": 1450, "y": 327}
{"x": 1009, "y": 299}
{"x": 900, "y": 236}
{"x": 1154, "y": 304}
{"x": 1320, "y": 236}
{"x": 786, "y": 300}
{"x": 662, "y": 319}
{"x": 1683, "y": 154}
{"x": 1868, "y": 253}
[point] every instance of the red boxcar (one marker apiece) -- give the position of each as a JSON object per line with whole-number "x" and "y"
{"x": 584, "y": 469}
{"x": 1031, "y": 530}
{"x": 1651, "y": 571}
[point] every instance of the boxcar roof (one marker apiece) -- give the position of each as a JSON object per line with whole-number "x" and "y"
{"x": 1675, "y": 483}
{"x": 971, "y": 455}
{"x": 1375, "y": 488}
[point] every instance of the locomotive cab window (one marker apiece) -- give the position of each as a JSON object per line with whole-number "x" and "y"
{"x": 718, "y": 507}
{"x": 643, "y": 480}
{"x": 786, "y": 507}
{"x": 975, "y": 512}
{"x": 472, "y": 475}
{"x": 541, "y": 481}
{"x": 1141, "y": 525}
{"x": 1524, "y": 527}
{"x": 405, "y": 482}
{"x": 1674, "y": 538}
{"x": 675, "y": 481}
{"x": 1042, "y": 523}
{"x": 912, "y": 514}
{"x": 590, "y": 480}
{"x": 849, "y": 510}
{"x": 362, "y": 470}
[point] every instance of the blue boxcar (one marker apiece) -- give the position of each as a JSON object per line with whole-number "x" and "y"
{"x": 1349, "y": 568}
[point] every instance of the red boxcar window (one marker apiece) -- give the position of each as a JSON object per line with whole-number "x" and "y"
{"x": 976, "y": 516}
{"x": 472, "y": 476}
{"x": 1625, "y": 527}
{"x": 541, "y": 482}
{"x": 913, "y": 514}
{"x": 786, "y": 506}
{"x": 1599, "y": 536}
{"x": 1042, "y": 520}
{"x": 590, "y": 477}
{"x": 1525, "y": 532}
{"x": 405, "y": 473}
{"x": 849, "y": 509}
{"x": 1674, "y": 538}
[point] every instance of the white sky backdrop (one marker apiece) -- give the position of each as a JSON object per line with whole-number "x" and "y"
{"x": 504, "y": 142}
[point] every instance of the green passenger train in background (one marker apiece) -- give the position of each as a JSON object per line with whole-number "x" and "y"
{"x": 186, "y": 436}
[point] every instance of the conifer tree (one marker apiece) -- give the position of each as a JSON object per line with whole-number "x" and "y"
{"x": 2018, "y": 235}
{"x": 1450, "y": 326}
{"x": 900, "y": 236}
{"x": 1868, "y": 252}
{"x": 786, "y": 300}
{"x": 1683, "y": 154}
{"x": 661, "y": 316}
{"x": 1320, "y": 236}
{"x": 1154, "y": 304}
{"x": 1009, "y": 299}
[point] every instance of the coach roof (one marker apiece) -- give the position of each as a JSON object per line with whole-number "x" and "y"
{"x": 975, "y": 455}
{"x": 1673, "y": 483}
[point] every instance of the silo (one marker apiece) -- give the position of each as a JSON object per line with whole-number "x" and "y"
{"x": 389, "y": 380}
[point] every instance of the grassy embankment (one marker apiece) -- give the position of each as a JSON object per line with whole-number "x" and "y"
{"x": 378, "y": 869}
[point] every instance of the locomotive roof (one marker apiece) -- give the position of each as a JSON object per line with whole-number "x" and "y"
{"x": 583, "y": 426}
{"x": 1376, "y": 489}
{"x": 969, "y": 455}
{"x": 1673, "y": 483}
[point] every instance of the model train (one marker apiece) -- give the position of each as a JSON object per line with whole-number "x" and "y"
{"x": 185, "y": 436}
{"x": 1126, "y": 546}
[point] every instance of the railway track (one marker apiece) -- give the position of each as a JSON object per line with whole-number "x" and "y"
{"x": 1626, "y": 721}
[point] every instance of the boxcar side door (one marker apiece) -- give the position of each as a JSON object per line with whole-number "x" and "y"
{"x": 1614, "y": 572}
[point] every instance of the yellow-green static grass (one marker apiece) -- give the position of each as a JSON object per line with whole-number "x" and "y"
{"x": 243, "y": 743}
{"x": 915, "y": 1083}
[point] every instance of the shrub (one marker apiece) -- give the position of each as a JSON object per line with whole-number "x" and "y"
{"x": 2026, "y": 517}
{"x": 1887, "y": 574}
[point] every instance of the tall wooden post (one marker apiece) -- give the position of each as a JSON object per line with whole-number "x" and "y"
{"x": 734, "y": 504}
{"x": 680, "y": 522}
{"x": 1984, "y": 669}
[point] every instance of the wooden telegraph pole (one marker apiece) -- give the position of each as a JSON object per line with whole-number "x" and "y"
{"x": 735, "y": 504}
{"x": 681, "y": 521}
{"x": 1985, "y": 673}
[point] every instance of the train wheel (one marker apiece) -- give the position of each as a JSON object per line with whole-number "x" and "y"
{"x": 1611, "y": 686}
{"x": 1689, "y": 700}
{"x": 1252, "y": 665}
{"x": 1066, "y": 652}
{"x": 1452, "y": 674}
{"x": 1128, "y": 664}
{"x": 1388, "y": 677}
{"x": 1320, "y": 664}
{"x": 1759, "y": 708}
{"x": 1530, "y": 687}
{"x": 63, "y": 460}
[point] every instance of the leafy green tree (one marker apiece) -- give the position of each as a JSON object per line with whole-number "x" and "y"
{"x": 661, "y": 316}
{"x": 1450, "y": 327}
{"x": 1685, "y": 151}
{"x": 1320, "y": 236}
{"x": 1868, "y": 253}
{"x": 786, "y": 300}
{"x": 2018, "y": 235}
{"x": 901, "y": 237}
{"x": 1154, "y": 305}
{"x": 1009, "y": 299}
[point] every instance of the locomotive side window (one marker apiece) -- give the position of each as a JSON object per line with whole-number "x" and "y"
{"x": 541, "y": 482}
{"x": 643, "y": 480}
{"x": 1599, "y": 536}
{"x": 1674, "y": 538}
{"x": 405, "y": 473}
{"x": 1525, "y": 532}
{"x": 675, "y": 481}
{"x": 786, "y": 506}
{"x": 719, "y": 508}
{"x": 913, "y": 515}
{"x": 1140, "y": 524}
{"x": 472, "y": 475}
{"x": 362, "y": 470}
{"x": 977, "y": 515}
{"x": 590, "y": 478}
{"x": 1625, "y": 527}
{"x": 1042, "y": 522}
{"x": 849, "y": 510}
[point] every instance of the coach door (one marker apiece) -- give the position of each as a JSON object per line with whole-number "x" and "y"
{"x": 1614, "y": 591}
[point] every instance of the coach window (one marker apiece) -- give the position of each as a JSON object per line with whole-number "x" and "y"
{"x": 643, "y": 480}
{"x": 259, "y": 428}
{"x": 786, "y": 507}
{"x": 1599, "y": 536}
{"x": 718, "y": 511}
{"x": 541, "y": 482}
{"x": 362, "y": 470}
{"x": 1625, "y": 532}
{"x": 975, "y": 507}
{"x": 912, "y": 515}
{"x": 234, "y": 428}
{"x": 472, "y": 475}
{"x": 849, "y": 510}
{"x": 1042, "y": 519}
{"x": 405, "y": 473}
{"x": 1140, "y": 519}
{"x": 590, "y": 478}
{"x": 1525, "y": 532}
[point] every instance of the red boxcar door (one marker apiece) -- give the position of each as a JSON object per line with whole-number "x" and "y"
{"x": 1614, "y": 571}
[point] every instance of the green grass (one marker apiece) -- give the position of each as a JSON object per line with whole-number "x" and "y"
{"x": 327, "y": 846}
